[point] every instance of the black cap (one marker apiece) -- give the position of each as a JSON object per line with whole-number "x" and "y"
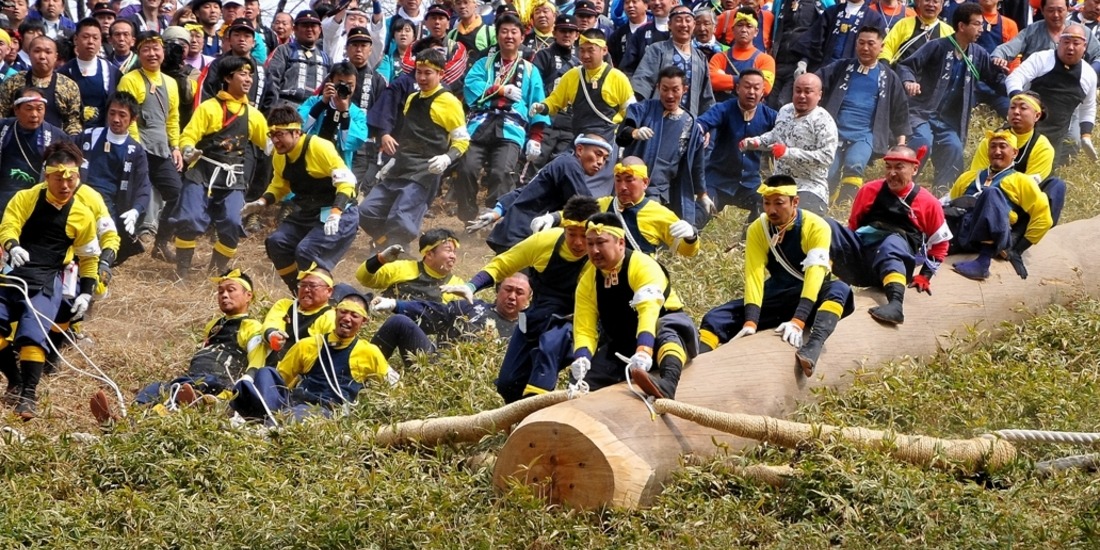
{"x": 566, "y": 23}
{"x": 307, "y": 17}
{"x": 438, "y": 9}
{"x": 359, "y": 34}
{"x": 196, "y": 4}
{"x": 506, "y": 8}
{"x": 102, "y": 8}
{"x": 243, "y": 24}
{"x": 585, "y": 7}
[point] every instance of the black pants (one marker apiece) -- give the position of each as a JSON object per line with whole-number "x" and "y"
{"x": 498, "y": 156}
{"x": 166, "y": 180}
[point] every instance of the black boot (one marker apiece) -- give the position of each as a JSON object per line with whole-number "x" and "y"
{"x": 28, "y": 405}
{"x": 184, "y": 257}
{"x": 891, "y": 313}
{"x": 291, "y": 280}
{"x": 219, "y": 263}
{"x": 162, "y": 250}
{"x": 807, "y": 355}
{"x": 670, "y": 366}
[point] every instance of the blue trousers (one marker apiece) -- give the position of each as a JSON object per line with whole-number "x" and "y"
{"x": 197, "y": 210}
{"x": 860, "y": 264}
{"x": 1055, "y": 190}
{"x": 402, "y": 333}
{"x": 394, "y": 210}
{"x": 777, "y": 307}
{"x": 294, "y": 241}
{"x": 946, "y": 149}
{"x": 985, "y": 222}
{"x": 33, "y": 330}
{"x": 672, "y": 328}
{"x": 851, "y": 160}
{"x": 534, "y": 361}
{"x": 158, "y": 391}
{"x": 268, "y": 388}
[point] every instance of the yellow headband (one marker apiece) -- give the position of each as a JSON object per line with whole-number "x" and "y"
{"x": 788, "y": 190}
{"x": 572, "y": 223}
{"x": 65, "y": 171}
{"x": 151, "y": 39}
{"x": 193, "y": 27}
{"x": 1029, "y": 100}
{"x": 352, "y": 306}
{"x": 599, "y": 228}
{"x": 596, "y": 41}
{"x": 433, "y": 246}
{"x": 638, "y": 170}
{"x": 319, "y": 274}
{"x": 426, "y": 63}
{"x": 234, "y": 276}
{"x": 294, "y": 126}
{"x": 746, "y": 18}
{"x": 1001, "y": 134}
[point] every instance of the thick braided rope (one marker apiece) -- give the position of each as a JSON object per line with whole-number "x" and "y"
{"x": 472, "y": 427}
{"x": 972, "y": 454}
{"x": 1043, "y": 436}
{"x": 1068, "y": 463}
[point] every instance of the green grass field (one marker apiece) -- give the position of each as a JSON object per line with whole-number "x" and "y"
{"x": 189, "y": 480}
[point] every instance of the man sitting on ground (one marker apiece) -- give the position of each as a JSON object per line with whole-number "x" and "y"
{"x": 412, "y": 280}
{"x": 309, "y": 314}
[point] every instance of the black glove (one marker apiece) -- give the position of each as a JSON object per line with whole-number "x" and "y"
{"x": 1015, "y": 256}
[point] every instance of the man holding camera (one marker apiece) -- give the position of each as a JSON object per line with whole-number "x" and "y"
{"x": 333, "y": 116}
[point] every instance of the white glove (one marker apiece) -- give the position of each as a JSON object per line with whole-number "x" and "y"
{"x": 1088, "y": 147}
{"x": 792, "y": 333}
{"x": 641, "y": 360}
{"x": 386, "y": 169}
{"x": 708, "y": 205}
{"x": 465, "y": 291}
{"x": 254, "y": 207}
{"x": 542, "y": 223}
{"x": 482, "y": 221}
{"x": 681, "y": 230}
{"x": 746, "y": 331}
{"x": 390, "y": 253}
{"x": 579, "y": 368}
{"x": 18, "y": 256}
{"x": 332, "y": 224}
{"x": 536, "y": 109}
{"x": 800, "y": 69}
{"x": 511, "y": 92}
{"x": 383, "y": 305}
{"x": 438, "y": 164}
{"x": 533, "y": 150}
{"x": 750, "y": 144}
{"x": 129, "y": 220}
{"x": 80, "y": 305}
{"x": 642, "y": 134}
{"x": 190, "y": 154}
{"x": 247, "y": 378}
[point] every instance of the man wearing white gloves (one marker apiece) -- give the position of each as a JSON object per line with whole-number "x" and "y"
{"x": 640, "y": 312}
{"x": 649, "y": 225}
{"x": 43, "y": 228}
{"x": 499, "y": 91}
{"x": 115, "y": 164}
{"x": 432, "y": 136}
{"x": 792, "y": 246}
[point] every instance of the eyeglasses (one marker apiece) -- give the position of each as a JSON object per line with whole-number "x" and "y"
{"x": 311, "y": 286}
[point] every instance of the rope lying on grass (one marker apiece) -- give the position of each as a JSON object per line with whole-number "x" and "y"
{"x": 1043, "y": 436}
{"x": 451, "y": 429}
{"x": 970, "y": 455}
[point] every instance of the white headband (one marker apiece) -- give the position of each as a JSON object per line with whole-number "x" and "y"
{"x": 585, "y": 140}
{"x": 29, "y": 99}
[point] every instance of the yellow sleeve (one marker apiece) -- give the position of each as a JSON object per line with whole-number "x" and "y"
{"x": 17, "y": 212}
{"x": 448, "y": 113}
{"x": 203, "y": 122}
{"x": 1023, "y": 191}
{"x": 105, "y": 229}
{"x": 323, "y": 161}
{"x": 172, "y": 122}
{"x": 585, "y": 314}
{"x": 298, "y": 360}
{"x": 257, "y": 128}
{"x": 324, "y": 324}
{"x": 644, "y": 271}
{"x": 981, "y": 158}
{"x": 1041, "y": 161}
{"x": 964, "y": 181}
{"x": 534, "y": 251}
{"x": 654, "y": 221}
{"x": 276, "y": 316}
{"x": 278, "y": 187}
{"x": 251, "y": 339}
{"x": 756, "y": 262}
{"x": 617, "y": 92}
{"x": 81, "y": 228}
{"x": 367, "y": 361}
{"x": 131, "y": 82}
{"x": 388, "y": 275}
{"x": 816, "y": 236}
{"x": 565, "y": 92}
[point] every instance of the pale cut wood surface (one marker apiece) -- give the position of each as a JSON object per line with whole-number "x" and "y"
{"x": 603, "y": 449}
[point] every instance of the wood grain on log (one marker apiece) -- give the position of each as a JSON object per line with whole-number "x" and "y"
{"x": 603, "y": 449}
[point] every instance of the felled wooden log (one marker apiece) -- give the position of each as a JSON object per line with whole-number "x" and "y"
{"x": 604, "y": 449}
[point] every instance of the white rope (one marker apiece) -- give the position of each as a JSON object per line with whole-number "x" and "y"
{"x": 630, "y": 386}
{"x": 102, "y": 377}
{"x": 1068, "y": 463}
{"x": 1044, "y": 436}
{"x": 263, "y": 402}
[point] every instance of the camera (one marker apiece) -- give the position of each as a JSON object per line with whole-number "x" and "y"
{"x": 343, "y": 90}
